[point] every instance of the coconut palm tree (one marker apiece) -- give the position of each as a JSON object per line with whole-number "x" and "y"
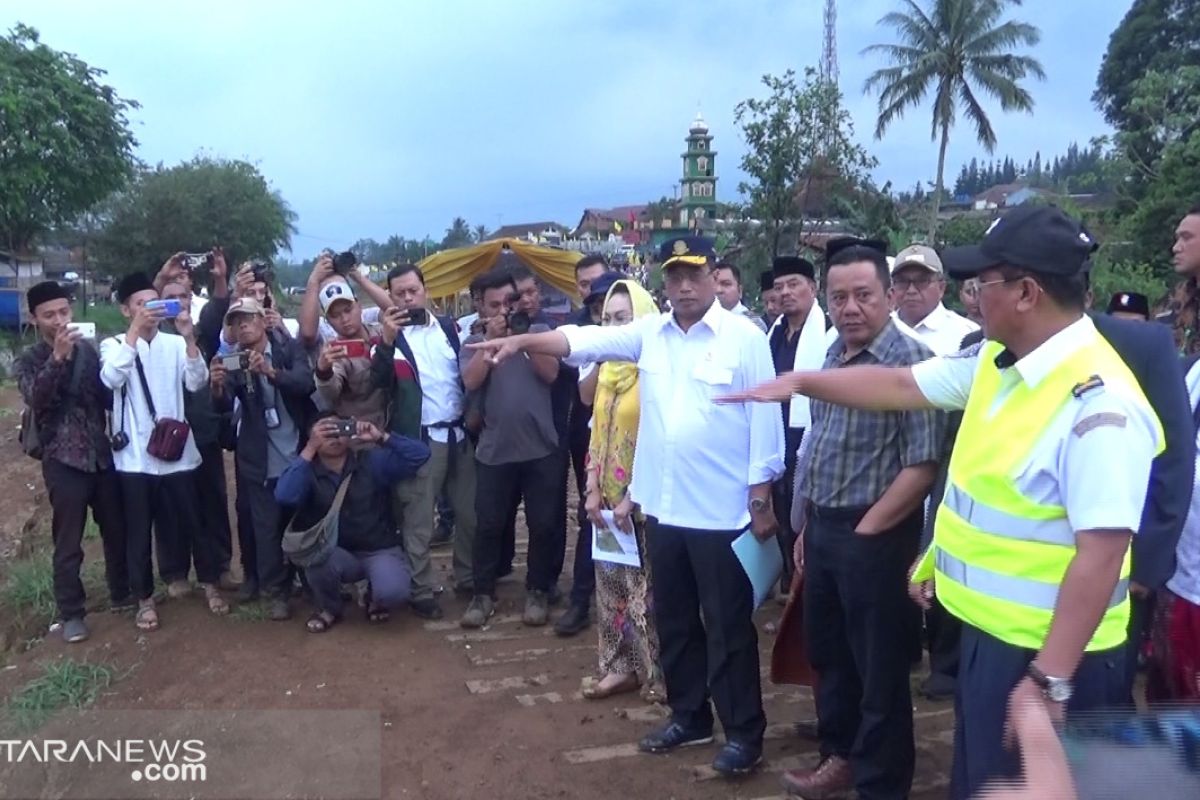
{"x": 957, "y": 48}
{"x": 481, "y": 233}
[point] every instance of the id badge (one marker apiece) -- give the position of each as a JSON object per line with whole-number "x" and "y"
{"x": 272, "y": 418}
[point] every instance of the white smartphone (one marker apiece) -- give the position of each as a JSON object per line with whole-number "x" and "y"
{"x": 86, "y": 329}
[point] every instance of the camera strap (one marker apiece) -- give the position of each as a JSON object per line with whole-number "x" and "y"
{"x": 137, "y": 360}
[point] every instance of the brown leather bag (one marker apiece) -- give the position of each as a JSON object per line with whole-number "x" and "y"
{"x": 170, "y": 436}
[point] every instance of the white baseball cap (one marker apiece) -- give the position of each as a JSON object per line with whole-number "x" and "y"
{"x": 333, "y": 291}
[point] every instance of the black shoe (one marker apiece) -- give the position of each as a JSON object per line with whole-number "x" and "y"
{"x": 938, "y": 687}
{"x": 572, "y": 621}
{"x": 736, "y": 758}
{"x": 426, "y": 609}
{"x": 672, "y": 737}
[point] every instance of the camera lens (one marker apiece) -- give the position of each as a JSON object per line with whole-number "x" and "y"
{"x": 518, "y": 322}
{"x": 344, "y": 262}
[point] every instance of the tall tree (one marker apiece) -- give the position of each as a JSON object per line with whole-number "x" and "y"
{"x": 457, "y": 235}
{"x": 957, "y": 48}
{"x": 65, "y": 142}
{"x": 193, "y": 206}
{"x": 481, "y": 233}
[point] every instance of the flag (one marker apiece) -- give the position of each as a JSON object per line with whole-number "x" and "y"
{"x": 617, "y": 226}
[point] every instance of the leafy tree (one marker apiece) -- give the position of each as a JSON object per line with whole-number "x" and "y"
{"x": 457, "y": 235}
{"x": 481, "y": 233}
{"x": 800, "y": 154}
{"x": 65, "y": 142}
{"x": 193, "y": 206}
{"x": 958, "y": 48}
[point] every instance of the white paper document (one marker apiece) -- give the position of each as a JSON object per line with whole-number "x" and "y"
{"x": 762, "y": 561}
{"x": 611, "y": 544}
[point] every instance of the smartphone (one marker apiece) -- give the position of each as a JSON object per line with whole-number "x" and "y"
{"x": 171, "y": 308}
{"x": 355, "y": 348}
{"x": 85, "y": 329}
{"x": 194, "y": 261}
{"x": 346, "y": 427}
{"x": 235, "y": 361}
{"x": 417, "y": 316}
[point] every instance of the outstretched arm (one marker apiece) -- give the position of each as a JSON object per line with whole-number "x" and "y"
{"x": 868, "y": 388}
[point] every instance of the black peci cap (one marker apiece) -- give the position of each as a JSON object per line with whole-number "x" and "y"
{"x": 1037, "y": 238}
{"x": 1131, "y": 302}
{"x": 793, "y": 265}
{"x": 44, "y": 292}
{"x": 766, "y": 281}
{"x": 835, "y": 246}
{"x": 133, "y": 283}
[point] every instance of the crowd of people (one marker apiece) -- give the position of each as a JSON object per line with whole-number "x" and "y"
{"x": 1010, "y": 488}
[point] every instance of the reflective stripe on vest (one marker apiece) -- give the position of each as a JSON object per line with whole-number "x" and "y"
{"x": 1002, "y": 523}
{"x": 1023, "y": 591}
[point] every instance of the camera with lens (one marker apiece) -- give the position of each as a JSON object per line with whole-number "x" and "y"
{"x": 237, "y": 360}
{"x": 518, "y": 322}
{"x": 118, "y": 441}
{"x": 262, "y": 271}
{"x": 344, "y": 263}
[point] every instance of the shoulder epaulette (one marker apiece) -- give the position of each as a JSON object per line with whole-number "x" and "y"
{"x": 1094, "y": 382}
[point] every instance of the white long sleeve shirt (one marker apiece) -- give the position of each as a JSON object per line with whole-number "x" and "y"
{"x": 1186, "y": 580}
{"x": 168, "y": 370}
{"x": 695, "y": 460}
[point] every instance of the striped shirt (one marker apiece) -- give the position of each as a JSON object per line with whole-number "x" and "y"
{"x": 855, "y": 455}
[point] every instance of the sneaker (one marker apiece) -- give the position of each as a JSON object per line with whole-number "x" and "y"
{"x": 478, "y": 612}
{"x": 572, "y": 621}
{"x": 537, "y": 610}
{"x": 75, "y": 630}
{"x": 737, "y": 758}
{"x": 426, "y": 608}
{"x": 673, "y": 736}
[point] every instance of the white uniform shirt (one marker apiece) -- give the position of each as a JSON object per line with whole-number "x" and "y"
{"x": 464, "y": 325}
{"x": 1099, "y": 473}
{"x": 1186, "y": 580}
{"x": 942, "y": 331}
{"x": 695, "y": 460}
{"x": 437, "y": 369}
{"x": 168, "y": 370}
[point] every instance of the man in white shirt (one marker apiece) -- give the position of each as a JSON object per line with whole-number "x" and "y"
{"x": 918, "y": 285}
{"x": 729, "y": 293}
{"x": 147, "y": 371}
{"x": 702, "y": 474}
{"x": 411, "y": 333}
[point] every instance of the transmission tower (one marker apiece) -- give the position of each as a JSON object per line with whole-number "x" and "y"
{"x": 829, "y": 64}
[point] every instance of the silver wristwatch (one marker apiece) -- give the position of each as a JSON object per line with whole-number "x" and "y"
{"x": 1058, "y": 690}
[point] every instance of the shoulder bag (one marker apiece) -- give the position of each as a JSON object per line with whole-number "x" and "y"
{"x": 170, "y": 436}
{"x": 312, "y": 547}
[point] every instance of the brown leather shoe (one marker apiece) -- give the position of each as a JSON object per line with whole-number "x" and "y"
{"x": 832, "y": 778}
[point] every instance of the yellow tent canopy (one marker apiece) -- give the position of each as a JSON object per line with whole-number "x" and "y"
{"x": 451, "y": 271}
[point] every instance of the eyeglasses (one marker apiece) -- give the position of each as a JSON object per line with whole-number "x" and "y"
{"x": 982, "y": 284}
{"x": 921, "y": 284}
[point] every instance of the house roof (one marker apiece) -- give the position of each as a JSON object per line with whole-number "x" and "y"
{"x": 522, "y": 230}
{"x": 998, "y": 194}
{"x": 619, "y": 214}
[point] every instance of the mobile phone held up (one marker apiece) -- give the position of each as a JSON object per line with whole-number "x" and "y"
{"x": 417, "y": 316}
{"x": 196, "y": 261}
{"x": 171, "y": 308}
{"x": 346, "y": 427}
{"x": 355, "y": 348}
{"x": 86, "y": 330}
{"x": 236, "y": 361}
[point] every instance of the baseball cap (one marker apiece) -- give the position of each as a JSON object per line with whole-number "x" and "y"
{"x": 1131, "y": 302}
{"x": 918, "y": 255}
{"x": 1037, "y": 238}
{"x": 244, "y": 305}
{"x": 333, "y": 291}
{"x": 601, "y": 285}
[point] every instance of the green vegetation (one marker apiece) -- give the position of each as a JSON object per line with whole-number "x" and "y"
{"x": 64, "y": 683}
{"x": 27, "y": 592}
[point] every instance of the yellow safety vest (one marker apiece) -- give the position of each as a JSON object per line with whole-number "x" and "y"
{"x": 998, "y": 556}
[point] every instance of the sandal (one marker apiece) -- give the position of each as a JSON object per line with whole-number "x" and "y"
{"x": 147, "y": 616}
{"x": 592, "y": 690}
{"x": 216, "y": 603}
{"x": 320, "y": 622}
{"x": 375, "y": 614}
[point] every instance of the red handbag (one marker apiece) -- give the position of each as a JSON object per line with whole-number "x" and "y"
{"x": 170, "y": 436}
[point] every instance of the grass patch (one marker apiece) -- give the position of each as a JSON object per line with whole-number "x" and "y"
{"x": 64, "y": 683}
{"x": 28, "y": 589}
{"x": 107, "y": 316}
{"x": 250, "y": 612}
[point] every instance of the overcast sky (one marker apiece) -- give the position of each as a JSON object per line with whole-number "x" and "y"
{"x": 376, "y": 117}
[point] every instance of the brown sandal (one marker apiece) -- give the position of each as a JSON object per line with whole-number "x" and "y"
{"x": 147, "y": 616}
{"x": 320, "y": 622}
{"x": 216, "y": 603}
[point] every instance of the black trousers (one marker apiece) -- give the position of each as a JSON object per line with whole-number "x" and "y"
{"x": 535, "y": 482}
{"x": 72, "y": 492}
{"x": 945, "y": 634}
{"x": 583, "y": 571}
{"x": 703, "y": 606}
{"x": 166, "y": 503}
{"x": 266, "y": 522}
{"x": 989, "y": 669}
{"x": 1141, "y": 614}
{"x": 781, "y": 497}
{"x": 213, "y": 497}
{"x": 855, "y": 601}
{"x": 247, "y": 554}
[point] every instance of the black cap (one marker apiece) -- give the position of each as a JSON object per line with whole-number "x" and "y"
{"x": 835, "y": 246}
{"x": 44, "y": 292}
{"x": 601, "y": 285}
{"x": 133, "y": 283}
{"x": 766, "y": 281}
{"x": 1037, "y": 238}
{"x": 1132, "y": 302}
{"x": 793, "y": 265}
{"x": 686, "y": 249}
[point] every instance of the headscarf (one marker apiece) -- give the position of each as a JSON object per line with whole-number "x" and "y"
{"x": 619, "y": 376}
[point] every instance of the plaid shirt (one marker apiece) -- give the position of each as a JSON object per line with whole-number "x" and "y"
{"x": 855, "y": 455}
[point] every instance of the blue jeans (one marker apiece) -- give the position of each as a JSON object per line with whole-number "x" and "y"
{"x": 386, "y": 570}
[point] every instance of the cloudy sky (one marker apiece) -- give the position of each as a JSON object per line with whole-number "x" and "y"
{"x": 377, "y": 117}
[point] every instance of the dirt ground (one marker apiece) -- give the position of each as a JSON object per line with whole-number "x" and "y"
{"x": 485, "y": 714}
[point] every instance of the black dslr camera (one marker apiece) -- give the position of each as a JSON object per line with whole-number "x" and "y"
{"x": 262, "y": 271}
{"x": 344, "y": 263}
{"x": 237, "y": 360}
{"x": 518, "y": 321}
{"x": 118, "y": 441}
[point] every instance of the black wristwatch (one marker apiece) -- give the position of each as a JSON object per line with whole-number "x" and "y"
{"x": 1058, "y": 690}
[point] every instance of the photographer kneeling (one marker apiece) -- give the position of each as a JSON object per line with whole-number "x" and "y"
{"x": 270, "y": 378}
{"x": 367, "y": 544}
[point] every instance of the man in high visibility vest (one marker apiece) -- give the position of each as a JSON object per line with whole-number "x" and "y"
{"x": 1046, "y": 484}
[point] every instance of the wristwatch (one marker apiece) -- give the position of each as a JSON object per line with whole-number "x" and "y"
{"x": 758, "y": 505}
{"x": 1058, "y": 690}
